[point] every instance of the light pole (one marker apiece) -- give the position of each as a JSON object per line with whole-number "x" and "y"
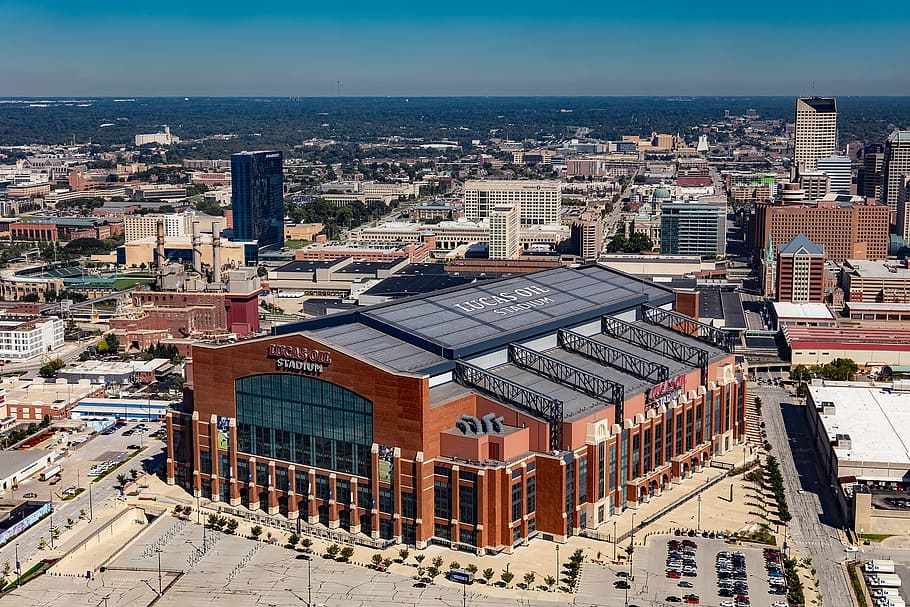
{"x": 309, "y": 584}
{"x": 18, "y": 567}
{"x": 614, "y": 541}
{"x": 557, "y": 563}
{"x": 159, "y": 572}
{"x": 698, "y": 519}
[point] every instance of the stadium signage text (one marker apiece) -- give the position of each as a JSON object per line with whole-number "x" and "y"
{"x": 666, "y": 391}
{"x": 507, "y": 302}
{"x": 296, "y": 358}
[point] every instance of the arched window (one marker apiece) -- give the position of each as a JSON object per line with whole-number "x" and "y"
{"x": 305, "y": 420}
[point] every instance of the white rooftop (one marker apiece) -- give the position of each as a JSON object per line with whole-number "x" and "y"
{"x": 804, "y": 311}
{"x": 878, "y": 422}
{"x": 877, "y": 268}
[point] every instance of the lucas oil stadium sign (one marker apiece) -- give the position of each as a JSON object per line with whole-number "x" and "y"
{"x": 295, "y": 358}
{"x": 507, "y": 302}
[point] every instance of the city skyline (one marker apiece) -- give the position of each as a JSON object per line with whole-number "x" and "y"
{"x": 405, "y": 49}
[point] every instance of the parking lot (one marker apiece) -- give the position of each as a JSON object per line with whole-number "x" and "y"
{"x": 602, "y": 585}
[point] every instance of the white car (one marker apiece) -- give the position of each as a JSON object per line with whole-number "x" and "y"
{"x": 779, "y": 604}
{"x": 727, "y": 604}
{"x": 851, "y": 549}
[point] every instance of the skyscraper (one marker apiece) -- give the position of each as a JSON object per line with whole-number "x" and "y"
{"x": 693, "y": 228}
{"x": 869, "y": 180}
{"x": 839, "y": 171}
{"x": 257, "y": 197}
{"x": 895, "y": 170}
{"x": 816, "y": 131}
{"x": 504, "y": 226}
{"x": 539, "y": 202}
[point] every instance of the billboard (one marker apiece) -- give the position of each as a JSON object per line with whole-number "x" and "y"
{"x": 386, "y": 463}
{"x": 224, "y": 432}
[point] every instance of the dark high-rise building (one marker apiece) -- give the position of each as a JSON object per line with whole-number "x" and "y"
{"x": 257, "y": 197}
{"x": 869, "y": 179}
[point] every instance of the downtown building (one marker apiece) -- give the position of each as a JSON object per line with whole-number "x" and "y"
{"x": 477, "y": 417}
{"x": 815, "y": 135}
{"x": 847, "y": 230}
{"x": 895, "y": 172}
{"x": 257, "y": 198}
{"x": 540, "y": 202}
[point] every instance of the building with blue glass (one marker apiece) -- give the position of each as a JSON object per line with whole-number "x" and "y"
{"x": 257, "y": 198}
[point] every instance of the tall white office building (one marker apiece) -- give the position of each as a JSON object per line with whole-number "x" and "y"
{"x": 539, "y": 202}
{"x": 839, "y": 171}
{"x": 504, "y": 227}
{"x": 816, "y": 132}
{"x": 895, "y": 168}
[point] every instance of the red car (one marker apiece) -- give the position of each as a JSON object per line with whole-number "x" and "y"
{"x": 674, "y": 575}
{"x": 692, "y": 599}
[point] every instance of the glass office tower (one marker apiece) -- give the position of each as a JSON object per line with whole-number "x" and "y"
{"x": 257, "y": 198}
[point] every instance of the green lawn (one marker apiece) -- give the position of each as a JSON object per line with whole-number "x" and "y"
{"x": 121, "y": 284}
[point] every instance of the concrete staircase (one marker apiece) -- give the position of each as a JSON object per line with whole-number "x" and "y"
{"x": 753, "y": 422}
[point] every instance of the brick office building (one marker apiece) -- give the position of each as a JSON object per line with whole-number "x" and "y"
{"x": 477, "y": 417}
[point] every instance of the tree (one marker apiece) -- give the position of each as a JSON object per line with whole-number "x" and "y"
{"x": 488, "y": 574}
{"x": 437, "y": 562}
{"x": 307, "y": 543}
{"x": 292, "y": 540}
{"x": 232, "y": 525}
{"x": 122, "y": 481}
{"x": 377, "y": 559}
{"x": 42, "y": 545}
{"x": 113, "y": 342}
{"x": 346, "y": 553}
{"x": 550, "y": 581}
{"x": 529, "y": 579}
{"x": 6, "y": 569}
{"x": 333, "y": 550}
{"x": 432, "y": 572}
{"x": 403, "y": 554}
{"x": 386, "y": 562}
{"x": 82, "y": 513}
{"x": 46, "y": 421}
{"x": 134, "y": 474}
{"x": 472, "y": 568}
{"x": 419, "y": 558}
{"x": 507, "y": 577}
{"x": 454, "y": 565}
{"x": 256, "y": 532}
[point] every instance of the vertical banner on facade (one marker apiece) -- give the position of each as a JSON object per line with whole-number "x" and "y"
{"x": 386, "y": 463}
{"x": 224, "y": 432}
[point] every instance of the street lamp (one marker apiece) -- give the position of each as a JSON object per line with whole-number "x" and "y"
{"x": 614, "y": 541}
{"x": 309, "y": 584}
{"x": 159, "y": 571}
{"x": 698, "y": 520}
{"x": 18, "y": 567}
{"x": 557, "y": 563}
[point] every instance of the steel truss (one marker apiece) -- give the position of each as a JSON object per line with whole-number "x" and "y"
{"x": 663, "y": 345}
{"x": 567, "y": 374}
{"x": 550, "y": 409}
{"x": 686, "y": 325}
{"x": 605, "y": 354}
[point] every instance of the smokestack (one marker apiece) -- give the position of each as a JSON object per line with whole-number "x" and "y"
{"x": 197, "y": 249}
{"x": 216, "y": 252}
{"x": 159, "y": 249}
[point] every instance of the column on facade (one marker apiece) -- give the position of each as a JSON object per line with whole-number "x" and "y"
{"x": 213, "y": 451}
{"x": 422, "y": 532}
{"x": 523, "y": 521}
{"x": 334, "y": 520}
{"x": 374, "y": 489}
{"x": 483, "y": 512}
{"x": 396, "y": 495}
{"x": 232, "y": 456}
{"x": 454, "y": 523}
{"x": 197, "y": 463}
{"x": 273, "y": 491}
{"x": 293, "y": 498}
{"x": 170, "y": 467}
{"x": 312, "y": 506}
{"x": 355, "y": 507}
{"x": 253, "y": 488}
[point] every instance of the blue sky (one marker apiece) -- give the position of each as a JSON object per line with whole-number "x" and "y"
{"x": 271, "y": 47}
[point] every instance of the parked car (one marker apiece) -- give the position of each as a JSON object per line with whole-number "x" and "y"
{"x": 30, "y": 495}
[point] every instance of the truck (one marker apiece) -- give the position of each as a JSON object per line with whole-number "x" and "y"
{"x": 891, "y": 601}
{"x": 886, "y": 580}
{"x": 50, "y": 473}
{"x": 879, "y": 566}
{"x": 882, "y": 592}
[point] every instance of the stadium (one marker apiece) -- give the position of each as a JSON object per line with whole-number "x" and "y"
{"x": 478, "y": 417}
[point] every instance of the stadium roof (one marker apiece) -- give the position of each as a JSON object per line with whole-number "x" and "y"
{"x": 467, "y": 320}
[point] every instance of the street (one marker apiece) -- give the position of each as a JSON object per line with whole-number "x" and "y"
{"x": 75, "y": 470}
{"x": 813, "y": 532}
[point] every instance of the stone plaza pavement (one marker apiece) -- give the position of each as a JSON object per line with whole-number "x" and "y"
{"x": 241, "y": 571}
